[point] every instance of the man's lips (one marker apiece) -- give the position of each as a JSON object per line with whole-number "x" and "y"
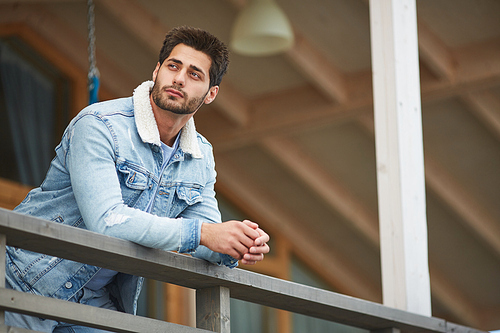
{"x": 174, "y": 92}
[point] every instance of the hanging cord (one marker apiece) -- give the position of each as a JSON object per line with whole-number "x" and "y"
{"x": 93, "y": 76}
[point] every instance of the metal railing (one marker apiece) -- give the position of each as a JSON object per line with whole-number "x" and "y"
{"x": 214, "y": 286}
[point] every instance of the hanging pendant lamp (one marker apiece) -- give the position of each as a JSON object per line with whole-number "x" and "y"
{"x": 261, "y": 29}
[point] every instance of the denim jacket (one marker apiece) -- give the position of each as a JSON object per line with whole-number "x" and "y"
{"x": 106, "y": 170}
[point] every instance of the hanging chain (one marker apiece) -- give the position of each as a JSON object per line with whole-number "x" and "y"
{"x": 93, "y": 76}
{"x": 93, "y": 71}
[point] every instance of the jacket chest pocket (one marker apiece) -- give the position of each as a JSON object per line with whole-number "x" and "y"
{"x": 133, "y": 182}
{"x": 186, "y": 195}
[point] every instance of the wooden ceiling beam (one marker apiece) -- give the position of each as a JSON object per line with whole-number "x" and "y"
{"x": 454, "y": 300}
{"x": 477, "y": 69}
{"x": 233, "y": 105}
{"x": 339, "y": 272}
{"x": 322, "y": 183}
{"x": 138, "y": 21}
{"x": 470, "y": 211}
{"x": 486, "y": 107}
{"x": 435, "y": 54}
{"x": 322, "y": 73}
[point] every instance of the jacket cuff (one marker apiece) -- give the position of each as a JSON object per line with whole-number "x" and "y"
{"x": 228, "y": 261}
{"x": 190, "y": 235}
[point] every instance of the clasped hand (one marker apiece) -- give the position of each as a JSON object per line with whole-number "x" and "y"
{"x": 243, "y": 240}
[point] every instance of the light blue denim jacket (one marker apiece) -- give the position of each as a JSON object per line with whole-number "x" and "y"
{"x": 106, "y": 170}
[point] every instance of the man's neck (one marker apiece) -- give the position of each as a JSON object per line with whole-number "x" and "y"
{"x": 169, "y": 124}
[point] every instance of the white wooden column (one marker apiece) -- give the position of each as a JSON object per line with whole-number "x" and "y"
{"x": 399, "y": 151}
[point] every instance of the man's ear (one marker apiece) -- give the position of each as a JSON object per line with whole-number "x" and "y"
{"x": 155, "y": 72}
{"x": 212, "y": 93}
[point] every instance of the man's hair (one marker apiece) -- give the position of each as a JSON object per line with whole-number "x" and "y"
{"x": 200, "y": 40}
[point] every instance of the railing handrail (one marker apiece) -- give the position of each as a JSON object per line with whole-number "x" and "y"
{"x": 96, "y": 249}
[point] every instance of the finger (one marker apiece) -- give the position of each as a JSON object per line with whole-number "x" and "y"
{"x": 262, "y": 239}
{"x": 235, "y": 254}
{"x": 251, "y": 224}
{"x": 253, "y": 257}
{"x": 240, "y": 249}
{"x": 247, "y": 262}
{"x": 250, "y": 231}
{"x": 259, "y": 249}
{"x": 247, "y": 241}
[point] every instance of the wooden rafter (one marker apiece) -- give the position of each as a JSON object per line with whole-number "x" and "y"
{"x": 326, "y": 77}
{"x": 471, "y": 212}
{"x": 435, "y": 54}
{"x": 321, "y": 182}
{"x": 486, "y": 107}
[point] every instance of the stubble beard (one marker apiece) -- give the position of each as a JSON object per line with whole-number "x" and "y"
{"x": 167, "y": 103}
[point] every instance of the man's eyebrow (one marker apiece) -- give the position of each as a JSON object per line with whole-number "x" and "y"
{"x": 197, "y": 69}
{"x": 177, "y": 61}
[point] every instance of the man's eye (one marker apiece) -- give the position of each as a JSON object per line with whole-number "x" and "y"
{"x": 196, "y": 75}
{"x": 173, "y": 66}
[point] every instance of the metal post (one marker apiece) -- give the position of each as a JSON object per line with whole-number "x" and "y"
{"x": 212, "y": 309}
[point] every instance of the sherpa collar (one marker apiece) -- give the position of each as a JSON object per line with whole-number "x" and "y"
{"x": 148, "y": 129}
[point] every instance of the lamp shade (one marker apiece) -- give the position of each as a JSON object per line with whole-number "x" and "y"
{"x": 261, "y": 29}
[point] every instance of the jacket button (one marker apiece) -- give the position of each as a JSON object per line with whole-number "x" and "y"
{"x": 68, "y": 285}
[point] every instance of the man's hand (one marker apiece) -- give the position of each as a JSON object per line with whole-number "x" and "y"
{"x": 243, "y": 241}
{"x": 256, "y": 252}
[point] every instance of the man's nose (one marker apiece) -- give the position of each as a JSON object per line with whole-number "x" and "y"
{"x": 180, "y": 78}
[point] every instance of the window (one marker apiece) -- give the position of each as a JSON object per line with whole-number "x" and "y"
{"x": 34, "y": 104}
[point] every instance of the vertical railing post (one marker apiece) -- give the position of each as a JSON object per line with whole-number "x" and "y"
{"x": 212, "y": 309}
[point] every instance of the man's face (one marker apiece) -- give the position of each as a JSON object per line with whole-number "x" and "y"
{"x": 182, "y": 81}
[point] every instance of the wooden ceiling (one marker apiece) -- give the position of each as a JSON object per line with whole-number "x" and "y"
{"x": 293, "y": 133}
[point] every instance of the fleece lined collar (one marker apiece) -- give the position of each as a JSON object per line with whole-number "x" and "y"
{"x": 148, "y": 129}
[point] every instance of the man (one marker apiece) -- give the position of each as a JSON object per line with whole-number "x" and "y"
{"x": 135, "y": 168}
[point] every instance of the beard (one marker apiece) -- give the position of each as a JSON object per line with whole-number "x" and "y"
{"x": 169, "y": 103}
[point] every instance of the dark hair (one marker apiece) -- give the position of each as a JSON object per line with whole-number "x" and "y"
{"x": 202, "y": 41}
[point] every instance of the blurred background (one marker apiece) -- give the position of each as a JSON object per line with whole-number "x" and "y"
{"x": 292, "y": 130}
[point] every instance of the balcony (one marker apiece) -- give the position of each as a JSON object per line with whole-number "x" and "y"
{"x": 214, "y": 286}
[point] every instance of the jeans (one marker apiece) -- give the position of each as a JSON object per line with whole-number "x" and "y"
{"x": 99, "y": 298}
